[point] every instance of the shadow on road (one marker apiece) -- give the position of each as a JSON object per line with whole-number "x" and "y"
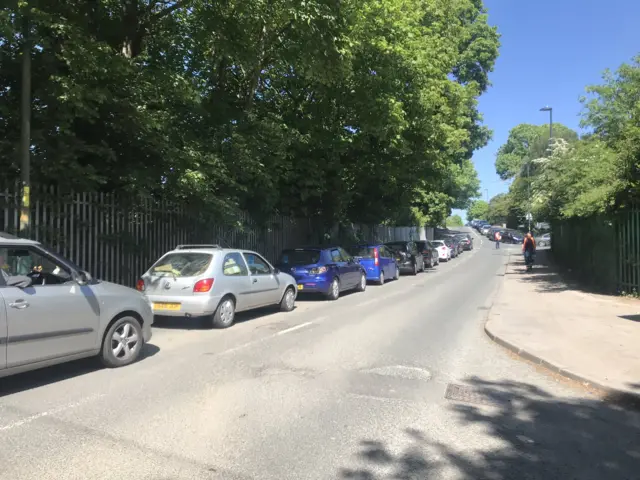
{"x": 538, "y": 437}
{"x": 57, "y": 373}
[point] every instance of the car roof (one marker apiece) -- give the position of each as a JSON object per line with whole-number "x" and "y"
{"x": 8, "y": 239}
{"x": 312, "y": 247}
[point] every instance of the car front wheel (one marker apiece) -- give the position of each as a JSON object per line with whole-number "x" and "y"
{"x": 362, "y": 286}
{"x": 288, "y": 301}
{"x": 122, "y": 343}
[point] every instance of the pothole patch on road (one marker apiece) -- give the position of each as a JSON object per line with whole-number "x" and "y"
{"x": 401, "y": 371}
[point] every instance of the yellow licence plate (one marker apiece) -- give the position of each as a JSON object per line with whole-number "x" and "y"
{"x": 166, "y": 306}
{"x": 300, "y": 287}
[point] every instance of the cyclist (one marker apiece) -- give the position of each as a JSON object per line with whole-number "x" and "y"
{"x": 528, "y": 249}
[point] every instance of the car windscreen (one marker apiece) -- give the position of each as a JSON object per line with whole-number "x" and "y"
{"x": 299, "y": 257}
{"x": 438, "y": 243}
{"x": 182, "y": 264}
{"x": 361, "y": 251}
{"x": 397, "y": 246}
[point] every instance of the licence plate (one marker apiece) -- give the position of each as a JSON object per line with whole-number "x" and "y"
{"x": 300, "y": 287}
{"x": 166, "y": 306}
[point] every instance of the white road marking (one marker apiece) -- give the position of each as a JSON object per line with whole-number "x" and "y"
{"x": 31, "y": 418}
{"x": 296, "y": 327}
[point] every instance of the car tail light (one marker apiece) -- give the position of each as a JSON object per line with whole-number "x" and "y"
{"x": 317, "y": 270}
{"x": 376, "y": 257}
{"x": 203, "y": 286}
{"x": 140, "y": 286}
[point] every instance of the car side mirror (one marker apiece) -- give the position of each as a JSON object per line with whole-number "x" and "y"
{"x": 81, "y": 277}
{"x": 19, "y": 281}
{"x": 276, "y": 270}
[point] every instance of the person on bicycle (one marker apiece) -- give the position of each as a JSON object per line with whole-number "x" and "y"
{"x": 528, "y": 248}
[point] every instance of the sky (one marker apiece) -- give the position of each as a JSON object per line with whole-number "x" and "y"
{"x": 550, "y": 51}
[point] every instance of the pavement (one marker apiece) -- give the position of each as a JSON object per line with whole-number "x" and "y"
{"x": 399, "y": 382}
{"x": 590, "y": 338}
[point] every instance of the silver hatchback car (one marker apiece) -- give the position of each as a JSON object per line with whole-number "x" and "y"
{"x": 215, "y": 282}
{"x": 51, "y": 312}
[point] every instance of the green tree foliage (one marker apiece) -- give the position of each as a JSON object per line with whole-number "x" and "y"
{"x": 363, "y": 110}
{"x": 527, "y": 142}
{"x": 454, "y": 221}
{"x": 478, "y": 210}
{"x": 580, "y": 178}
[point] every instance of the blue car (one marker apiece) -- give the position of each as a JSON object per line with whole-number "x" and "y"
{"x": 377, "y": 260}
{"x": 325, "y": 270}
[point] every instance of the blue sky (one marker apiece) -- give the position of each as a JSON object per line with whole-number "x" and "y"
{"x": 551, "y": 50}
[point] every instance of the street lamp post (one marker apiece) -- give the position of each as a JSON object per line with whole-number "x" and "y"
{"x": 550, "y": 110}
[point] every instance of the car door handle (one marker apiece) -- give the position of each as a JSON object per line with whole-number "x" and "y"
{"x": 255, "y": 280}
{"x": 20, "y": 304}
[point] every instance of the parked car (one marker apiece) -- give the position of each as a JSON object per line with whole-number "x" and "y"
{"x": 377, "y": 260}
{"x": 408, "y": 257}
{"x": 492, "y": 231}
{"x": 444, "y": 252}
{"x": 544, "y": 240}
{"x": 52, "y": 311}
{"x": 512, "y": 236}
{"x": 214, "y": 282}
{"x": 484, "y": 230}
{"x": 328, "y": 270}
{"x": 429, "y": 253}
{"x": 451, "y": 245}
{"x": 466, "y": 241}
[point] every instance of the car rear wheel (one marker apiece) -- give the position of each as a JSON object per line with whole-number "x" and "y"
{"x": 288, "y": 301}
{"x": 225, "y": 314}
{"x": 334, "y": 290}
{"x": 122, "y": 343}
{"x": 397, "y": 275}
{"x": 381, "y": 279}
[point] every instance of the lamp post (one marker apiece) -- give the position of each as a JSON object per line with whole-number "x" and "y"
{"x": 550, "y": 110}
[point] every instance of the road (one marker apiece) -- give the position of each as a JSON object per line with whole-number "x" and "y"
{"x": 353, "y": 389}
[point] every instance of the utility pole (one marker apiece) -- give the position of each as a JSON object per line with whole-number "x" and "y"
{"x": 550, "y": 110}
{"x": 25, "y": 126}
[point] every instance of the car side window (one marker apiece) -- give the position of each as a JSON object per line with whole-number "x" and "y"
{"x": 31, "y": 262}
{"x": 345, "y": 256}
{"x": 257, "y": 264}
{"x": 234, "y": 265}
{"x": 382, "y": 252}
{"x": 335, "y": 256}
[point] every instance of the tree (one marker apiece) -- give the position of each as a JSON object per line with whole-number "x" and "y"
{"x": 478, "y": 210}
{"x": 355, "y": 111}
{"x": 527, "y": 142}
{"x": 612, "y": 111}
{"x": 454, "y": 221}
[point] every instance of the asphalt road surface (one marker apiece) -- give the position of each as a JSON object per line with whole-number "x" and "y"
{"x": 398, "y": 382}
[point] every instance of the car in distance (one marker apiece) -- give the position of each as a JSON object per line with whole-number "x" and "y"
{"x": 328, "y": 270}
{"x": 465, "y": 240}
{"x": 544, "y": 240}
{"x": 429, "y": 252}
{"x": 214, "y": 282}
{"x": 52, "y": 311}
{"x": 377, "y": 260}
{"x": 444, "y": 252}
{"x": 409, "y": 258}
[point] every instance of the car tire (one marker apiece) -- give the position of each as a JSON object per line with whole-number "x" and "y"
{"x": 362, "y": 285}
{"x": 288, "y": 302}
{"x": 415, "y": 269}
{"x": 334, "y": 290}
{"x": 397, "y": 275}
{"x": 381, "y": 279}
{"x": 123, "y": 333}
{"x": 225, "y": 314}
